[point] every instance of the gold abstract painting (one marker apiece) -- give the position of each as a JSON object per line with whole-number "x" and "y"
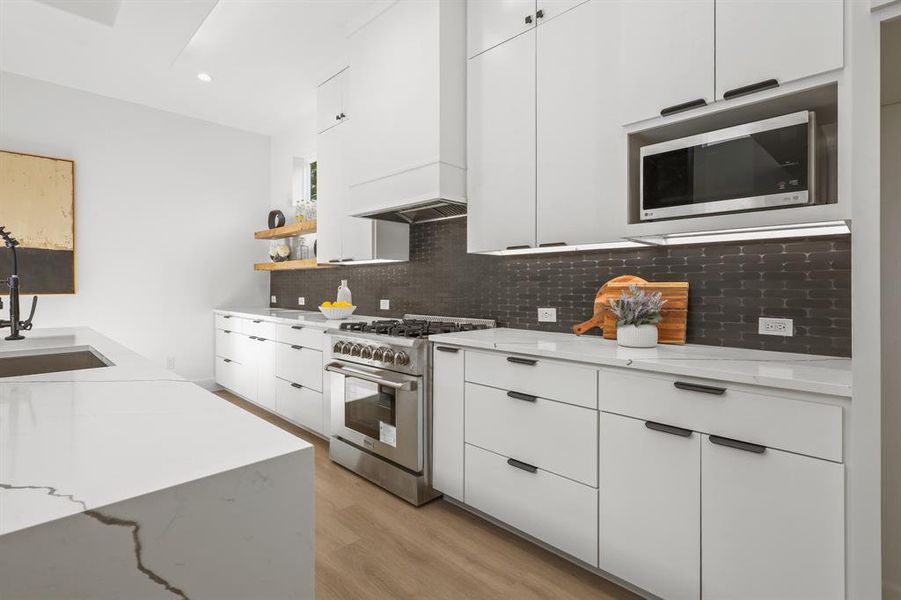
{"x": 37, "y": 206}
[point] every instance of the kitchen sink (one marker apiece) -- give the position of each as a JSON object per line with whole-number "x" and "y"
{"x": 51, "y": 361}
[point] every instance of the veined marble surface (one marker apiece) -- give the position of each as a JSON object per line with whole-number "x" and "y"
{"x": 783, "y": 370}
{"x": 133, "y": 454}
{"x": 288, "y": 316}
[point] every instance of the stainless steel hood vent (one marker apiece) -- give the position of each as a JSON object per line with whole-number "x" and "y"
{"x": 432, "y": 210}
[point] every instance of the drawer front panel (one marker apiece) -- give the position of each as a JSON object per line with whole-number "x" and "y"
{"x": 258, "y": 328}
{"x": 555, "y": 437}
{"x": 807, "y": 428}
{"x": 227, "y": 373}
{"x": 564, "y": 382}
{"x": 227, "y": 344}
{"x": 229, "y": 323}
{"x": 299, "y": 365}
{"x": 302, "y": 335}
{"x": 558, "y": 511}
{"x": 301, "y": 405}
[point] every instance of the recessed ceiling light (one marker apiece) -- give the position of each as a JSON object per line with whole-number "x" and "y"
{"x": 205, "y": 77}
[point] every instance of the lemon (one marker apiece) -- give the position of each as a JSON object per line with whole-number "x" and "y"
{"x": 327, "y": 304}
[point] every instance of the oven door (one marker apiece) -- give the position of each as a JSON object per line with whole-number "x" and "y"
{"x": 767, "y": 164}
{"x": 382, "y": 412}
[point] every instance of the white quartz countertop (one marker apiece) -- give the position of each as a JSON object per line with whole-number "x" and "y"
{"x": 799, "y": 372}
{"x": 286, "y": 315}
{"x": 78, "y": 440}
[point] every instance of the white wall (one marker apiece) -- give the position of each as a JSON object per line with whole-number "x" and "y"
{"x": 891, "y": 353}
{"x": 165, "y": 209}
{"x": 298, "y": 141}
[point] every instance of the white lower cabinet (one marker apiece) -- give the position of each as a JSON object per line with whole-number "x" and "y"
{"x": 299, "y": 404}
{"x": 300, "y": 365}
{"x": 553, "y": 509}
{"x": 447, "y": 416}
{"x": 650, "y": 506}
{"x": 265, "y": 355}
{"x": 772, "y": 524}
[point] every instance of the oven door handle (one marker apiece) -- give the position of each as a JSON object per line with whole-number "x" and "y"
{"x": 397, "y": 385}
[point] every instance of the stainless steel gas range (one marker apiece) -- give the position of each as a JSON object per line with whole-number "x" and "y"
{"x": 382, "y": 402}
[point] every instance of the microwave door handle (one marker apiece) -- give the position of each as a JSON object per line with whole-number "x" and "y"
{"x": 397, "y": 385}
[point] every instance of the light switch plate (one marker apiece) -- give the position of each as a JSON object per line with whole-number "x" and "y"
{"x": 769, "y": 326}
{"x": 547, "y": 315}
{"x": 301, "y": 301}
{"x": 272, "y": 299}
{"x": 385, "y": 304}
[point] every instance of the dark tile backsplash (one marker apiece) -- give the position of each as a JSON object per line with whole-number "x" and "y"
{"x": 731, "y": 285}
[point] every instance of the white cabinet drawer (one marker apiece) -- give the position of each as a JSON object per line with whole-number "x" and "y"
{"x": 229, "y": 323}
{"x": 227, "y": 344}
{"x": 259, "y": 328}
{"x": 557, "y": 511}
{"x": 227, "y": 373}
{"x": 717, "y": 408}
{"x": 299, "y": 365}
{"x": 552, "y": 436}
{"x": 302, "y": 335}
{"x": 568, "y": 383}
{"x": 299, "y": 404}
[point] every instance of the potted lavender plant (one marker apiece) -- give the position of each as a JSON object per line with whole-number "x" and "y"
{"x": 637, "y": 314}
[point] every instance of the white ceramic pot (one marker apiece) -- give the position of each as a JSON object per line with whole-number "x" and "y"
{"x": 636, "y": 336}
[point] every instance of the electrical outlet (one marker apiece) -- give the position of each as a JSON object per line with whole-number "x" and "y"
{"x": 385, "y": 304}
{"x": 273, "y": 299}
{"x": 768, "y": 326}
{"x": 301, "y": 301}
{"x": 170, "y": 362}
{"x": 547, "y": 315}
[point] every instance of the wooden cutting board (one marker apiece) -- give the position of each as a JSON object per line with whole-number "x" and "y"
{"x": 674, "y": 316}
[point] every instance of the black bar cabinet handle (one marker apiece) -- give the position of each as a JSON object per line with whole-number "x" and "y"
{"x": 334, "y": 260}
{"x": 521, "y": 465}
{"x": 522, "y": 361}
{"x": 540, "y": 13}
{"x": 226, "y": 316}
{"x": 297, "y": 347}
{"x": 447, "y": 349}
{"x": 528, "y": 19}
{"x": 296, "y": 326}
{"x": 744, "y": 90}
{"x": 521, "y": 396}
{"x": 519, "y": 247}
{"x": 737, "y": 444}
{"x": 681, "y": 432}
{"x": 296, "y": 385}
{"x": 259, "y": 339}
{"x": 253, "y": 337}
{"x": 226, "y": 331}
{"x": 227, "y": 359}
{"x": 697, "y": 387}
{"x": 669, "y": 110}
{"x": 551, "y": 244}
{"x": 258, "y": 321}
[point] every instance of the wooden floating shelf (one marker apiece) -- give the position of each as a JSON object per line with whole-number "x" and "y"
{"x": 289, "y": 265}
{"x": 292, "y": 230}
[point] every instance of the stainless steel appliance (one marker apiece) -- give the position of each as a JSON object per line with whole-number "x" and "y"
{"x": 381, "y": 400}
{"x": 765, "y": 164}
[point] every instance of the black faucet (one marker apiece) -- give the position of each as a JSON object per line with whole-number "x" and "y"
{"x": 14, "y": 324}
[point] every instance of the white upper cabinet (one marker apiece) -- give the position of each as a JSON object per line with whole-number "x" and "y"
{"x": 330, "y": 102}
{"x": 408, "y": 97}
{"x": 581, "y": 175}
{"x": 667, "y": 55}
{"x": 803, "y": 37}
{"x": 548, "y": 9}
{"x": 772, "y": 524}
{"x": 501, "y": 146}
{"x": 492, "y": 22}
{"x": 331, "y": 193}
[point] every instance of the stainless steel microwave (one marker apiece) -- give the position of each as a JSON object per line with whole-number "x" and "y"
{"x": 765, "y": 164}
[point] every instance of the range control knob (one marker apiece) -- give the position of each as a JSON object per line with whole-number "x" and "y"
{"x": 356, "y": 349}
{"x": 366, "y": 352}
{"x": 338, "y": 348}
{"x": 379, "y": 353}
{"x": 401, "y": 358}
{"x": 388, "y": 355}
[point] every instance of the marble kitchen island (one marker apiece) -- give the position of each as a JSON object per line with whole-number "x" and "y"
{"x": 127, "y": 481}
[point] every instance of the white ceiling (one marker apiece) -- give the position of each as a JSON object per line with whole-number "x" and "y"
{"x": 266, "y": 57}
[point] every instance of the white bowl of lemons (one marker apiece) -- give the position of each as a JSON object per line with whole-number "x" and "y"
{"x": 336, "y": 310}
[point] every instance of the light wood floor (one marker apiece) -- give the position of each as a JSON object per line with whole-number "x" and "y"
{"x": 370, "y": 544}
